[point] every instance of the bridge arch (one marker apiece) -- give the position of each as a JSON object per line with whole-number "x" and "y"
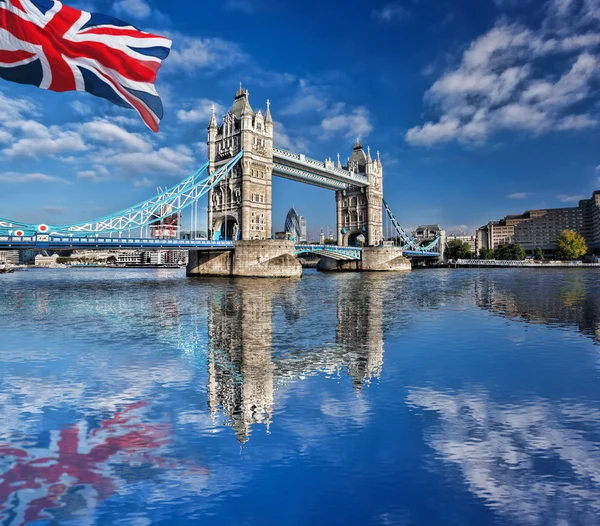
{"x": 353, "y": 238}
{"x": 226, "y": 228}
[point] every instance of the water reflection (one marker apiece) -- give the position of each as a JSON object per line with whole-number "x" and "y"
{"x": 569, "y": 299}
{"x": 70, "y": 470}
{"x": 537, "y": 462}
{"x": 246, "y": 357}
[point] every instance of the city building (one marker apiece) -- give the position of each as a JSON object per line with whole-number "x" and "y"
{"x": 425, "y": 234}
{"x": 465, "y": 238}
{"x": 296, "y": 225}
{"x": 540, "y": 228}
{"x": 9, "y": 257}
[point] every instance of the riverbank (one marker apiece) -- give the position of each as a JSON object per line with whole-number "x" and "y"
{"x": 492, "y": 263}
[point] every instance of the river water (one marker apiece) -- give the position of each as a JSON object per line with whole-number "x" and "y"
{"x": 459, "y": 397}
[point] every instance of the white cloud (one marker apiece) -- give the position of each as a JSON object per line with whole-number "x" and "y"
{"x": 108, "y": 133}
{"x": 200, "y": 111}
{"x": 283, "y": 140}
{"x": 16, "y": 109}
{"x": 135, "y": 8}
{"x": 502, "y": 83}
{"x": 353, "y": 123}
{"x": 81, "y": 108}
{"x": 570, "y": 198}
{"x": 517, "y": 195}
{"x": 5, "y": 136}
{"x": 307, "y": 99}
{"x": 40, "y": 140}
{"x": 497, "y": 448}
{"x": 19, "y": 178}
{"x": 143, "y": 183}
{"x": 191, "y": 54}
{"x": 391, "y": 12}
{"x": 166, "y": 161}
{"x": 99, "y": 173}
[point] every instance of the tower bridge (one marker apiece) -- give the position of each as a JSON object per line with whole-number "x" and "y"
{"x": 237, "y": 180}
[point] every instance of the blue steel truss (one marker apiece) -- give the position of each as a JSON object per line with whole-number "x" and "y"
{"x": 332, "y": 251}
{"x": 163, "y": 205}
{"x": 410, "y": 244}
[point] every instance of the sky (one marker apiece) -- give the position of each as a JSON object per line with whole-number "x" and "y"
{"x": 480, "y": 108}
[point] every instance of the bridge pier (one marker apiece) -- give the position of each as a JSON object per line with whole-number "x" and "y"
{"x": 257, "y": 259}
{"x": 374, "y": 259}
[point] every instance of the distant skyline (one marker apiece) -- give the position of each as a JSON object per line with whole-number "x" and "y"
{"x": 479, "y": 108}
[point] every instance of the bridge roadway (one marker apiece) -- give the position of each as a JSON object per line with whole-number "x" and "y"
{"x": 42, "y": 242}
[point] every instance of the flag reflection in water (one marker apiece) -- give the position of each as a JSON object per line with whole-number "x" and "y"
{"x": 80, "y": 468}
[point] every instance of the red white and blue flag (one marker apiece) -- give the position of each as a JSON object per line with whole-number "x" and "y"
{"x": 53, "y": 46}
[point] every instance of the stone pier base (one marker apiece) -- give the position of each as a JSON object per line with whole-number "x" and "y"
{"x": 384, "y": 259}
{"x": 375, "y": 259}
{"x": 259, "y": 259}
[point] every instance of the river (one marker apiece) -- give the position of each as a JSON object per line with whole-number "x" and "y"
{"x": 437, "y": 397}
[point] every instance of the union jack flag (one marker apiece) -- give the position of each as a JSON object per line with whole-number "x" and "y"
{"x": 35, "y": 481}
{"x": 57, "y": 47}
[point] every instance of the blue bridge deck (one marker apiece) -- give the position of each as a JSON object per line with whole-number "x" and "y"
{"x": 42, "y": 242}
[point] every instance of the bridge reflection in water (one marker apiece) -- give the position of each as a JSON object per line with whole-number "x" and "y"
{"x": 248, "y": 356}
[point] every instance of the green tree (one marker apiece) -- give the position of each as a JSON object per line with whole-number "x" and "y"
{"x": 512, "y": 252}
{"x": 458, "y": 249}
{"x": 570, "y": 245}
{"x": 486, "y": 253}
{"x": 539, "y": 254}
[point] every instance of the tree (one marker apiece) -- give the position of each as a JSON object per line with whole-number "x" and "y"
{"x": 486, "y": 253}
{"x": 458, "y": 249}
{"x": 539, "y": 254}
{"x": 570, "y": 245}
{"x": 512, "y": 252}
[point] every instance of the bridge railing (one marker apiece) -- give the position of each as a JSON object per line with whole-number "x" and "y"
{"x": 307, "y": 160}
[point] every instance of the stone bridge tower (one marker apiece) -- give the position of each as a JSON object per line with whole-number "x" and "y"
{"x": 359, "y": 210}
{"x": 240, "y": 206}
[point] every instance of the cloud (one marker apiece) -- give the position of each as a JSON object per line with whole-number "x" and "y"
{"x": 14, "y": 109}
{"x": 496, "y": 448}
{"x": 503, "y": 83}
{"x": 518, "y": 195}
{"x": 81, "y": 108}
{"x": 143, "y": 183}
{"x": 353, "y": 123}
{"x": 19, "y": 178}
{"x": 570, "y": 198}
{"x": 135, "y": 8}
{"x": 307, "y": 99}
{"x": 283, "y": 140}
{"x": 191, "y": 54}
{"x": 165, "y": 161}
{"x": 5, "y": 136}
{"x": 391, "y": 13}
{"x": 108, "y": 133}
{"x": 41, "y": 140}
{"x": 57, "y": 210}
{"x": 200, "y": 111}
{"x": 99, "y": 173}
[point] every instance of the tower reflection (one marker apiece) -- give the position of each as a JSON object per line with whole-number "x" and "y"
{"x": 250, "y": 349}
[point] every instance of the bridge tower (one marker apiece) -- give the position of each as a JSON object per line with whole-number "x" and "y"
{"x": 240, "y": 206}
{"x": 359, "y": 210}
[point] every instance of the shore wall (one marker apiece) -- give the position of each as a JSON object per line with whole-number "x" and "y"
{"x": 259, "y": 259}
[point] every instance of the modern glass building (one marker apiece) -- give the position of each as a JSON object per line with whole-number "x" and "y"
{"x": 295, "y": 225}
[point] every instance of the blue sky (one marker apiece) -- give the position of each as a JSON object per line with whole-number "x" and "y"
{"x": 480, "y": 108}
